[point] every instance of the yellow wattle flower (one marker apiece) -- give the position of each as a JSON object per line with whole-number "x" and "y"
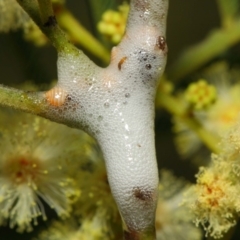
{"x": 200, "y": 94}
{"x": 35, "y": 154}
{"x": 113, "y": 23}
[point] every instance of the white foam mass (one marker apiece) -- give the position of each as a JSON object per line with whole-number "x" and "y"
{"x": 116, "y": 106}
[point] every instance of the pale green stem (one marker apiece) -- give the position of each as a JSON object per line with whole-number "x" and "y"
{"x": 81, "y": 35}
{"x": 175, "y": 107}
{"x": 32, "y": 102}
{"x": 46, "y": 10}
{"x": 228, "y": 11}
{"x": 196, "y": 56}
{"x": 32, "y": 8}
{"x": 49, "y": 27}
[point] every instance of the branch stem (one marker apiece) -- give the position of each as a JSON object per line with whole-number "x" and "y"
{"x": 227, "y": 11}
{"x": 31, "y": 102}
{"x": 81, "y": 35}
{"x": 46, "y": 10}
{"x": 46, "y": 21}
{"x": 217, "y": 42}
{"x": 173, "y": 106}
{"x": 32, "y": 8}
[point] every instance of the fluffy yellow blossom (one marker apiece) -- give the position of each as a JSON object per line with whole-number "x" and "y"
{"x": 113, "y": 23}
{"x": 95, "y": 215}
{"x": 61, "y": 230}
{"x": 217, "y": 118}
{"x": 35, "y": 155}
{"x": 97, "y": 227}
{"x": 200, "y": 94}
{"x": 225, "y": 111}
{"x": 91, "y": 228}
{"x": 215, "y": 198}
{"x": 12, "y": 16}
{"x": 174, "y": 221}
{"x": 96, "y": 204}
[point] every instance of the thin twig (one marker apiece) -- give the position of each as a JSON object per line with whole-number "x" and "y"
{"x": 218, "y": 41}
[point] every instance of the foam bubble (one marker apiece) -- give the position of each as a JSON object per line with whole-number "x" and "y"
{"x": 124, "y": 129}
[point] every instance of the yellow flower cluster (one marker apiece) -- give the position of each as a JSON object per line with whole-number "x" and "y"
{"x": 200, "y": 94}
{"x": 91, "y": 228}
{"x": 223, "y": 114}
{"x": 95, "y": 209}
{"x": 12, "y": 16}
{"x": 217, "y": 115}
{"x": 215, "y": 198}
{"x": 113, "y": 23}
{"x": 173, "y": 221}
{"x": 35, "y": 155}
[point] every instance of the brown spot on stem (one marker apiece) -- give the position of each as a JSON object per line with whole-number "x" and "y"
{"x": 130, "y": 235}
{"x": 51, "y": 22}
{"x": 121, "y": 62}
{"x": 143, "y": 194}
{"x": 162, "y": 44}
{"x": 141, "y": 5}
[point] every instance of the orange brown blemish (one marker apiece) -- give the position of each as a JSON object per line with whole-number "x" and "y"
{"x": 162, "y": 44}
{"x": 121, "y": 62}
{"x": 56, "y": 96}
